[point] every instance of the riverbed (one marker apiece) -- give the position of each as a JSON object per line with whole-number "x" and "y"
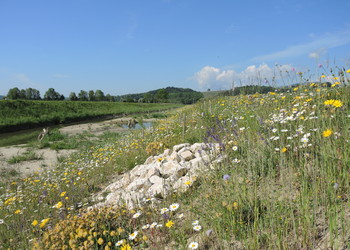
{"x": 49, "y": 158}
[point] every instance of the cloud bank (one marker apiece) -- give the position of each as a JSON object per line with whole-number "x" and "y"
{"x": 314, "y": 48}
{"x": 210, "y": 77}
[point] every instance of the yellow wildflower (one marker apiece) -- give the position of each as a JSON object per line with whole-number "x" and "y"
{"x": 58, "y": 205}
{"x": 34, "y": 223}
{"x": 100, "y": 241}
{"x": 17, "y": 211}
{"x": 327, "y": 133}
{"x": 126, "y": 247}
{"x": 44, "y": 222}
{"x": 335, "y": 103}
{"x": 169, "y": 224}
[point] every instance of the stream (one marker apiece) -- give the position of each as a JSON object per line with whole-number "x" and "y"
{"x": 29, "y": 135}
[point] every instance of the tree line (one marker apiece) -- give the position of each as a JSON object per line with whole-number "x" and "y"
{"x": 165, "y": 95}
{"x": 52, "y": 95}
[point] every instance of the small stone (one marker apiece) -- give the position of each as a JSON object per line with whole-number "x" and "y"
{"x": 177, "y": 148}
{"x": 167, "y": 152}
{"x": 187, "y": 155}
{"x": 136, "y": 185}
{"x": 197, "y": 146}
{"x": 152, "y": 171}
{"x": 161, "y": 189}
{"x": 149, "y": 160}
{"x": 174, "y": 157}
{"x": 156, "y": 179}
{"x": 168, "y": 169}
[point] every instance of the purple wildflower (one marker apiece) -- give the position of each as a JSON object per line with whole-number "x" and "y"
{"x": 209, "y": 232}
{"x": 226, "y": 177}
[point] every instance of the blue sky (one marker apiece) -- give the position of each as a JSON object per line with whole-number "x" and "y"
{"x": 134, "y": 46}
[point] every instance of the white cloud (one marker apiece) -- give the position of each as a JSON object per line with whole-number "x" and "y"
{"x": 209, "y": 77}
{"x": 215, "y": 78}
{"x": 329, "y": 40}
{"x": 318, "y": 53}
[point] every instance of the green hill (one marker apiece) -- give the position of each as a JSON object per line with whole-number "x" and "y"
{"x": 168, "y": 95}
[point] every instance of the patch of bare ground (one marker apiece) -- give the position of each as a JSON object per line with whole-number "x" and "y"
{"x": 49, "y": 158}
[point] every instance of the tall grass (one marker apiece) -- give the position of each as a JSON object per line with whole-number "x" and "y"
{"x": 283, "y": 182}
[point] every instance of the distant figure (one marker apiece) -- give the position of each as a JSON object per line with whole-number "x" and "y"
{"x": 42, "y": 134}
{"x": 132, "y": 123}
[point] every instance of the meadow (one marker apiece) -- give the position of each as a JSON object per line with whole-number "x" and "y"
{"x": 23, "y": 114}
{"x": 283, "y": 184}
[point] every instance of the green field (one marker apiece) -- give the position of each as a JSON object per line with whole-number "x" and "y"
{"x": 22, "y": 114}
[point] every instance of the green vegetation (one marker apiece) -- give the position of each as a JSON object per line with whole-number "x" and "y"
{"x": 26, "y": 156}
{"x": 20, "y": 114}
{"x": 168, "y": 95}
{"x": 282, "y": 182}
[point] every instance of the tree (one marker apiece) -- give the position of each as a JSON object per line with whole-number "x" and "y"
{"x": 162, "y": 95}
{"x": 99, "y": 95}
{"x": 109, "y": 98}
{"x": 22, "y": 94}
{"x": 51, "y": 94}
{"x": 91, "y": 96}
{"x": 148, "y": 98}
{"x": 32, "y": 94}
{"x": 73, "y": 96}
{"x": 83, "y": 95}
{"x": 13, "y": 94}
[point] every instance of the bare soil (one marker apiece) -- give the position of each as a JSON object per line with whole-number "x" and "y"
{"x": 49, "y": 157}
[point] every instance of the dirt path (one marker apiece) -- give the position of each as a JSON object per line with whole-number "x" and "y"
{"x": 49, "y": 157}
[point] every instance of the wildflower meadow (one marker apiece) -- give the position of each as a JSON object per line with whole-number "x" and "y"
{"x": 282, "y": 182}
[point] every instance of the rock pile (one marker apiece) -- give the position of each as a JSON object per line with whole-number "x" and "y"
{"x": 174, "y": 170}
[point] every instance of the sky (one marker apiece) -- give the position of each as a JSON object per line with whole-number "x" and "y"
{"x": 134, "y": 46}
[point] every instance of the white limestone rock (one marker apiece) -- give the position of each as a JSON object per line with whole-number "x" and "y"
{"x": 174, "y": 157}
{"x": 187, "y": 155}
{"x": 177, "y": 148}
{"x": 156, "y": 180}
{"x": 137, "y": 184}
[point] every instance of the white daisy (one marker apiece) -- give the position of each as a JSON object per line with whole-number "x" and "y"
{"x": 133, "y": 235}
{"x": 137, "y": 215}
{"x": 197, "y": 227}
{"x": 164, "y": 210}
{"x": 193, "y": 245}
{"x": 119, "y": 243}
{"x": 153, "y": 225}
{"x": 195, "y": 223}
{"x": 304, "y": 140}
{"x": 174, "y": 207}
{"x": 236, "y": 160}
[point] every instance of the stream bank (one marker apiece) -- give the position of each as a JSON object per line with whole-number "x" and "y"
{"x": 48, "y": 158}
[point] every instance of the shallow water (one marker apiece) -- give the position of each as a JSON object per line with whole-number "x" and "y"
{"x": 139, "y": 126}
